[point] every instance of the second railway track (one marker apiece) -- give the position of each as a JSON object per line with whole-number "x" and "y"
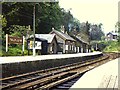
{"x": 49, "y": 78}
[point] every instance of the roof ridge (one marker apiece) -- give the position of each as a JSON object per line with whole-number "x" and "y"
{"x": 64, "y": 35}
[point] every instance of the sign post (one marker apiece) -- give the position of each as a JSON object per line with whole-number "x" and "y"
{"x": 23, "y": 45}
{"x": 6, "y": 42}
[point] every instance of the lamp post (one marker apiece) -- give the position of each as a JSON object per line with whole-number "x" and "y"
{"x": 34, "y": 30}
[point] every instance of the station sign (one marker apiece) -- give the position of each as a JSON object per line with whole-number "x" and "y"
{"x": 14, "y": 40}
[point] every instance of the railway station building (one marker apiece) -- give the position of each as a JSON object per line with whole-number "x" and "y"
{"x": 66, "y": 44}
{"x": 48, "y": 48}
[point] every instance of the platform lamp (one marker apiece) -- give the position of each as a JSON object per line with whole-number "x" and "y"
{"x": 34, "y": 30}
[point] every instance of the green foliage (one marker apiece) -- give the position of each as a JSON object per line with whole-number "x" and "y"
{"x": 107, "y": 46}
{"x": 14, "y": 50}
{"x": 47, "y": 14}
{"x": 100, "y": 44}
{"x": 67, "y": 18}
{"x": 96, "y": 32}
{"x": 75, "y": 24}
{"x": 19, "y": 15}
{"x": 118, "y": 27}
{"x": 113, "y": 46}
{"x": 3, "y": 20}
{"x": 17, "y": 30}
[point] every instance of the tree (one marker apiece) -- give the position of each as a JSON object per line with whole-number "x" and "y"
{"x": 3, "y": 22}
{"x": 17, "y": 13}
{"x": 19, "y": 31}
{"x": 75, "y": 24}
{"x": 67, "y": 19}
{"x": 48, "y": 15}
{"x": 118, "y": 29}
{"x": 96, "y": 32}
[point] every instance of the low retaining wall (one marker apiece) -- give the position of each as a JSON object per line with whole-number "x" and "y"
{"x": 10, "y": 69}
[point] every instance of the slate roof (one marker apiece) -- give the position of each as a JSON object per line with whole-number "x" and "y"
{"x": 78, "y": 37}
{"x": 48, "y": 37}
{"x": 63, "y": 35}
{"x": 113, "y": 33}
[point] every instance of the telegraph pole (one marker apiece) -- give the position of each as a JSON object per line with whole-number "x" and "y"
{"x": 34, "y": 30}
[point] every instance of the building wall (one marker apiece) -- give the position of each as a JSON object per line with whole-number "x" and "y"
{"x": 16, "y": 68}
{"x": 112, "y": 37}
{"x": 109, "y": 37}
{"x": 61, "y": 43}
{"x": 52, "y": 47}
{"x": 79, "y": 46}
{"x": 83, "y": 47}
{"x": 70, "y": 46}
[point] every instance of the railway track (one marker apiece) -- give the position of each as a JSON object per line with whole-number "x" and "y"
{"x": 66, "y": 85}
{"x": 49, "y": 78}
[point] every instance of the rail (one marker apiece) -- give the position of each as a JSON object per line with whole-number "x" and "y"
{"x": 51, "y": 77}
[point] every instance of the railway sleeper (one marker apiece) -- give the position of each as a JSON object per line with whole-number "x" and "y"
{"x": 40, "y": 82}
{"x": 28, "y": 80}
{"x": 84, "y": 64}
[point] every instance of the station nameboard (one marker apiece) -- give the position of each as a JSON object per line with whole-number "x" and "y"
{"x": 15, "y": 40}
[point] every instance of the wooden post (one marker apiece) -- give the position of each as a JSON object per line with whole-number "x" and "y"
{"x": 6, "y": 42}
{"x": 23, "y": 45}
{"x": 96, "y": 46}
{"x": 81, "y": 49}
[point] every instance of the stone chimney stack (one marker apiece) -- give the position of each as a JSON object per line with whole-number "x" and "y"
{"x": 53, "y": 28}
{"x": 63, "y": 29}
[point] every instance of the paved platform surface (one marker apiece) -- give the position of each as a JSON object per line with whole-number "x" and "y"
{"x": 104, "y": 76}
{"x": 12, "y": 59}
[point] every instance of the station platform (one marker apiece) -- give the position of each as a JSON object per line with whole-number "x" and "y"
{"x": 15, "y": 59}
{"x": 105, "y": 76}
{"x": 16, "y": 65}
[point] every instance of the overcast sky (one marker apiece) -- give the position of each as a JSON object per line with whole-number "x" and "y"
{"x": 94, "y": 11}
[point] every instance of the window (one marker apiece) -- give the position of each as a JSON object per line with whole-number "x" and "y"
{"x": 66, "y": 47}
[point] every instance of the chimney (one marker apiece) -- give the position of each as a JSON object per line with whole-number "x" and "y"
{"x": 62, "y": 29}
{"x": 53, "y": 28}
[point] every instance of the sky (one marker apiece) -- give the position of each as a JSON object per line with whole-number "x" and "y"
{"x": 94, "y": 11}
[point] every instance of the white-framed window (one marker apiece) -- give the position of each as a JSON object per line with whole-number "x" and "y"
{"x": 81, "y": 49}
{"x": 66, "y": 47}
{"x": 78, "y": 49}
{"x": 51, "y": 48}
{"x": 69, "y": 47}
{"x": 72, "y": 47}
{"x": 75, "y": 49}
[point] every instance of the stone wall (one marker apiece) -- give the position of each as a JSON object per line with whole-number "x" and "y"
{"x": 10, "y": 69}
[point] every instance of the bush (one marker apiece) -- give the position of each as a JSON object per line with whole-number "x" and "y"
{"x": 107, "y": 46}
{"x": 113, "y": 46}
{"x": 13, "y": 50}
